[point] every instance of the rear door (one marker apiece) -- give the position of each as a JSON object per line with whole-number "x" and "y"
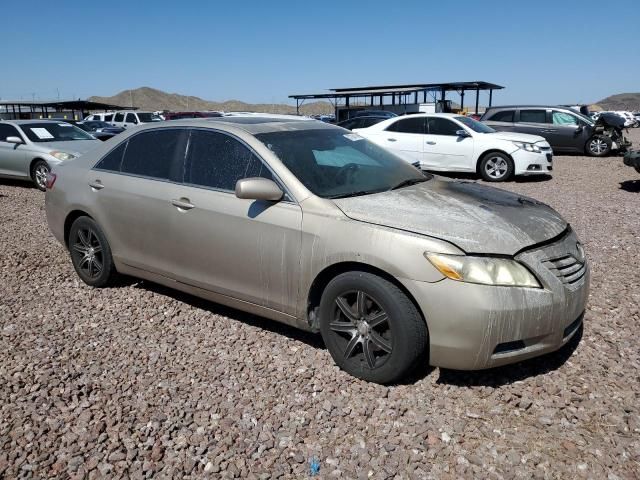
{"x": 133, "y": 187}
{"x": 444, "y": 149}
{"x": 533, "y": 121}
{"x": 13, "y": 159}
{"x": 130, "y": 120}
{"x": 404, "y": 138}
{"x": 245, "y": 249}
{"x": 118, "y": 119}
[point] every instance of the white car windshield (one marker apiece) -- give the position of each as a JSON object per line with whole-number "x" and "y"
{"x": 474, "y": 125}
{"x": 54, "y": 132}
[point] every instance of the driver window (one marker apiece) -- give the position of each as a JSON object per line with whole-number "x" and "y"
{"x": 561, "y": 118}
{"x": 131, "y": 118}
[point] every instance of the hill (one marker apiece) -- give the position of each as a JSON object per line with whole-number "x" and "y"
{"x": 622, "y": 101}
{"x": 146, "y": 98}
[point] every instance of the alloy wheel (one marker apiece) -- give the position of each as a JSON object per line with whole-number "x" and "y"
{"x": 362, "y": 327}
{"x": 597, "y": 146}
{"x": 496, "y": 167}
{"x": 40, "y": 174}
{"x": 87, "y": 252}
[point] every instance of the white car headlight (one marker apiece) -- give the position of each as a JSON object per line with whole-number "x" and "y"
{"x": 529, "y": 147}
{"x": 62, "y": 155}
{"x": 483, "y": 270}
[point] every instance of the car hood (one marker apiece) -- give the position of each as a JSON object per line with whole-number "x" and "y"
{"x": 475, "y": 218}
{"x": 75, "y": 147}
{"x": 517, "y": 137}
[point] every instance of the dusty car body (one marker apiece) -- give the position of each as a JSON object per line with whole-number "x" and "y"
{"x": 277, "y": 246}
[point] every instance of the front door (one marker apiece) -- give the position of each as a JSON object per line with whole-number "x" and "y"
{"x": 13, "y": 159}
{"x": 566, "y": 132}
{"x": 444, "y": 149}
{"x": 245, "y": 249}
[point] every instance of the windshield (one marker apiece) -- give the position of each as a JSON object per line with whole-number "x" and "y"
{"x": 474, "y": 125}
{"x": 334, "y": 164}
{"x": 146, "y": 117}
{"x": 54, "y": 132}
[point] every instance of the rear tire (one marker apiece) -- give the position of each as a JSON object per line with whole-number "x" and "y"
{"x": 371, "y": 328}
{"x": 39, "y": 171}
{"x": 599, "y": 146}
{"x": 90, "y": 253}
{"x": 496, "y": 167}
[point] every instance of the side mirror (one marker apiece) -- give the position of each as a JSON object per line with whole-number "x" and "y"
{"x": 579, "y": 129}
{"x": 462, "y": 133}
{"x": 16, "y": 140}
{"x": 256, "y": 188}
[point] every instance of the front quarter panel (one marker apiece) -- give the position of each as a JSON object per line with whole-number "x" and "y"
{"x": 329, "y": 238}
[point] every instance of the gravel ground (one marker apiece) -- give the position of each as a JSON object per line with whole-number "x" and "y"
{"x": 141, "y": 381}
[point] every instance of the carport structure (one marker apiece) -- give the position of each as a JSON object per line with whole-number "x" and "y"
{"x": 24, "y": 110}
{"x": 398, "y": 96}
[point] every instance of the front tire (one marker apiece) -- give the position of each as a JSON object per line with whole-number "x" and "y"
{"x": 90, "y": 253}
{"x": 496, "y": 167}
{"x": 371, "y": 328}
{"x": 599, "y": 146}
{"x": 39, "y": 171}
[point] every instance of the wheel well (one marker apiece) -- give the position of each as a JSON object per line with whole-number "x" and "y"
{"x": 75, "y": 214}
{"x": 325, "y": 276}
{"x": 32, "y": 164}
{"x": 484, "y": 154}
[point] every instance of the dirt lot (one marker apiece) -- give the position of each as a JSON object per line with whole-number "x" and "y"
{"x": 139, "y": 380}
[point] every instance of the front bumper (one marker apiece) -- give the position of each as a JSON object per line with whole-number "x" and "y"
{"x": 473, "y": 327}
{"x": 531, "y": 163}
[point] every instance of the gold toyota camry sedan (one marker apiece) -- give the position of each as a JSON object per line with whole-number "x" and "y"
{"x": 311, "y": 225}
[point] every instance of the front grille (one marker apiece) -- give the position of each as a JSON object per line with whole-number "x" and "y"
{"x": 567, "y": 268}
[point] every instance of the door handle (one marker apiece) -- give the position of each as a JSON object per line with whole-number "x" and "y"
{"x": 97, "y": 185}
{"x": 431, "y": 143}
{"x": 391, "y": 139}
{"x": 182, "y": 203}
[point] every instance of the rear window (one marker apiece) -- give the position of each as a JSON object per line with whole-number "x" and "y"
{"x": 408, "y": 125}
{"x": 533, "y": 116}
{"x": 155, "y": 154}
{"x": 503, "y": 116}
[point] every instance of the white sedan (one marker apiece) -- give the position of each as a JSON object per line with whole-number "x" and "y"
{"x": 454, "y": 143}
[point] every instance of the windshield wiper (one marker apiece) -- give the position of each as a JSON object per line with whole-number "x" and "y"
{"x": 354, "y": 194}
{"x": 406, "y": 183}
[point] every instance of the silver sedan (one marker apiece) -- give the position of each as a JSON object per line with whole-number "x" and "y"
{"x": 29, "y": 148}
{"x": 314, "y": 226}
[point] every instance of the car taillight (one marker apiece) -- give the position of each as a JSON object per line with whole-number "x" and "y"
{"x": 51, "y": 179}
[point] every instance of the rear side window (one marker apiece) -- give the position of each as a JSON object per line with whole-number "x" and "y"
{"x": 156, "y": 154}
{"x": 408, "y": 125}
{"x": 503, "y": 116}
{"x": 533, "y": 116}
{"x": 442, "y": 126}
{"x": 107, "y": 118}
{"x": 8, "y": 131}
{"x": 119, "y": 117}
{"x": 216, "y": 160}
{"x": 113, "y": 159}
{"x": 131, "y": 118}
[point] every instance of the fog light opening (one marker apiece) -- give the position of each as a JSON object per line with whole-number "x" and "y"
{"x": 509, "y": 347}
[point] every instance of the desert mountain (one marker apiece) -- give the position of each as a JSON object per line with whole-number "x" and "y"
{"x": 622, "y": 101}
{"x": 146, "y": 98}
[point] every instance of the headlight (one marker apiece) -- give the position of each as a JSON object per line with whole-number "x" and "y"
{"x": 62, "y": 155}
{"x": 483, "y": 270}
{"x": 529, "y": 147}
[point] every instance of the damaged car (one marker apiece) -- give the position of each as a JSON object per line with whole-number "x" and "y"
{"x": 311, "y": 225}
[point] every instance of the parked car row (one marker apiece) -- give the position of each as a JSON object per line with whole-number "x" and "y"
{"x": 309, "y": 224}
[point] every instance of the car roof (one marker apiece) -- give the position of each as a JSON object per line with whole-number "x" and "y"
{"x": 43, "y": 120}
{"x": 529, "y": 106}
{"x": 252, "y": 124}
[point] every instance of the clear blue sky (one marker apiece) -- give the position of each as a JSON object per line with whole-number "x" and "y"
{"x": 558, "y": 51}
